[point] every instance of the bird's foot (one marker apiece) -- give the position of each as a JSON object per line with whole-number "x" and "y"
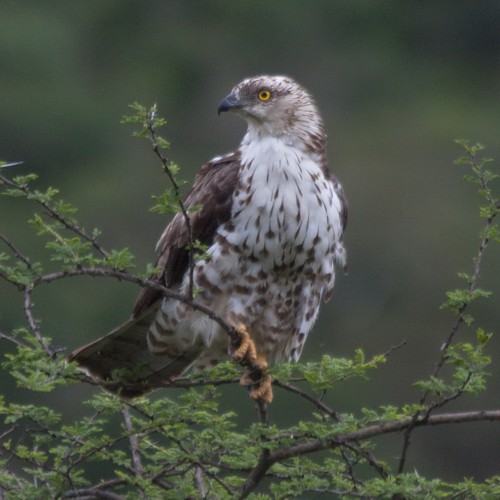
{"x": 246, "y": 351}
{"x": 255, "y": 375}
{"x": 262, "y": 388}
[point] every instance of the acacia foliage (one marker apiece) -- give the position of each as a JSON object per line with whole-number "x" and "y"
{"x": 182, "y": 445}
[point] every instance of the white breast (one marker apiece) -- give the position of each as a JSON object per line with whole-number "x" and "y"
{"x": 285, "y": 211}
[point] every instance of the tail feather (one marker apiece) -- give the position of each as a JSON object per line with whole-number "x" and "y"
{"x": 122, "y": 361}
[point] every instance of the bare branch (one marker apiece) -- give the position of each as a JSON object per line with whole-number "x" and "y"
{"x": 54, "y": 214}
{"x": 134, "y": 442}
{"x": 104, "y": 272}
{"x": 460, "y": 319}
{"x": 12, "y": 339}
{"x": 15, "y": 251}
{"x": 96, "y": 493}
{"x": 394, "y": 348}
{"x": 471, "y": 287}
{"x": 198, "y": 479}
{"x": 166, "y": 168}
{"x": 319, "y": 404}
{"x": 13, "y": 164}
{"x": 270, "y": 458}
{"x": 28, "y": 305}
{"x": 370, "y": 458}
{"x": 8, "y": 279}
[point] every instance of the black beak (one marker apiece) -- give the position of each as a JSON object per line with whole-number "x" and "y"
{"x": 228, "y": 103}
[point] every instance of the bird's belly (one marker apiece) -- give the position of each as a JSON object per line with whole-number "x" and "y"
{"x": 292, "y": 229}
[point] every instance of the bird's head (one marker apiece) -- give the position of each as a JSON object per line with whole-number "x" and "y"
{"x": 275, "y": 106}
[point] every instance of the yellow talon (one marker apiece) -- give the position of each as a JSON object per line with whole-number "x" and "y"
{"x": 264, "y": 392}
{"x": 246, "y": 350}
{"x": 246, "y": 353}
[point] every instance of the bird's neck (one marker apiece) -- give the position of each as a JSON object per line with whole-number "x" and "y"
{"x": 276, "y": 149}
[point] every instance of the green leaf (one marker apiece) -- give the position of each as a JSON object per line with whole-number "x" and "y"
{"x": 120, "y": 259}
{"x": 166, "y": 203}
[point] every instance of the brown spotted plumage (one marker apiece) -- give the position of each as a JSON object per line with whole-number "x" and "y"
{"x": 272, "y": 217}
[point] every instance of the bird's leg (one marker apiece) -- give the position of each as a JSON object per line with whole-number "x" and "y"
{"x": 246, "y": 350}
{"x": 255, "y": 374}
{"x": 263, "y": 390}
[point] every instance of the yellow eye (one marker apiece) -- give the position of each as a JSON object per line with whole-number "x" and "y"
{"x": 264, "y": 95}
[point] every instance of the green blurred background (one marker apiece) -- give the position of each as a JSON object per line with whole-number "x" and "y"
{"x": 396, "y": 82}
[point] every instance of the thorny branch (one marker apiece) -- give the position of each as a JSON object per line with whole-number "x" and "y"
{"x": 153, "y": 135}
{"x": 15, "y": 251}
{"x": 319, "y": 404}
{"x": 460, "y": 317}
{"x": 272, "y": 457}
{"x": 134, "y": 441}
{"x": 54, "y": 214}
{"x": 104, "y": 272}
{"x": 28, "y": 304}
{"x": 12, "y": 339}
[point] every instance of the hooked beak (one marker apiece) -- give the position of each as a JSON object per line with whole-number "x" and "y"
{"x": 228, "y": 103}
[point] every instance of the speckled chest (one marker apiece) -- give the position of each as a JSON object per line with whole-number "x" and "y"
{"x": 284, "y": 214}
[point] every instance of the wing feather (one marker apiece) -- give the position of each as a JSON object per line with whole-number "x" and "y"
{"x": 213, "y": 191}
{"x": 344, "y": 208}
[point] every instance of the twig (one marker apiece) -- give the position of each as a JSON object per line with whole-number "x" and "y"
{"x": 198, "y": 479}
{"x": 446, "y": 400}
{"x": 13, "y": 164}
{"x": 7, "y": 432}
{"x": 472, "y": 286}
{"x": 134, "y": 441}
{"x": 104, "y": 272}
{"x": 15, "y": 251}
{"x": 368, "y": 456}
{"x": 165, "y": 163}
{"x": 319, "y": 404}
{"x": 198, "y": 465}
{"x": 96, "y": 493}
{"x": 446, "y": 344}
{"x": 394, "y": 348}
{"x": 12, "y": 339}
{"x": 460, "y": 319}
{"x": 28, "y": 305}
{"x": 8, "y": 279}
{"x": 267, "y": 460}
{"x": 349, "y": 464}
{"x": 54, "y": 214}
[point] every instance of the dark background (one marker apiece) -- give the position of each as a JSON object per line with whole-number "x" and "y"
{"x": 396, "y": 82}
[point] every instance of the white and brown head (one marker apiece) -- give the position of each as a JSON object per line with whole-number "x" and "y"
{"x": 275, "y": 106}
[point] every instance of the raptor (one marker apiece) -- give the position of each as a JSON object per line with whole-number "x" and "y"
{"x": 272, "y": 217}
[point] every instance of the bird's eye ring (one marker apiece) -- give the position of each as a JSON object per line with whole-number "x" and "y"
{"x": 264, "y": 95}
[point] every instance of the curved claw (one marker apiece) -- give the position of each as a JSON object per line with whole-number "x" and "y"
{"x": 264, "y": 391}
{"x": 246, "y": 350}
{"x": 255, "y": 375}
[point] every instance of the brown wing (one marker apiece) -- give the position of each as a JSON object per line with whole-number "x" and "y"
{"x": 125, "y": 348}
{"x": 213, "y": 191}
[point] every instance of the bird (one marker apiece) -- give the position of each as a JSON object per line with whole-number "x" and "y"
{"x": 272, "y": 219}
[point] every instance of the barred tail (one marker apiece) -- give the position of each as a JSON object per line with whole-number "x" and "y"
{"x": 123, "y": 363}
